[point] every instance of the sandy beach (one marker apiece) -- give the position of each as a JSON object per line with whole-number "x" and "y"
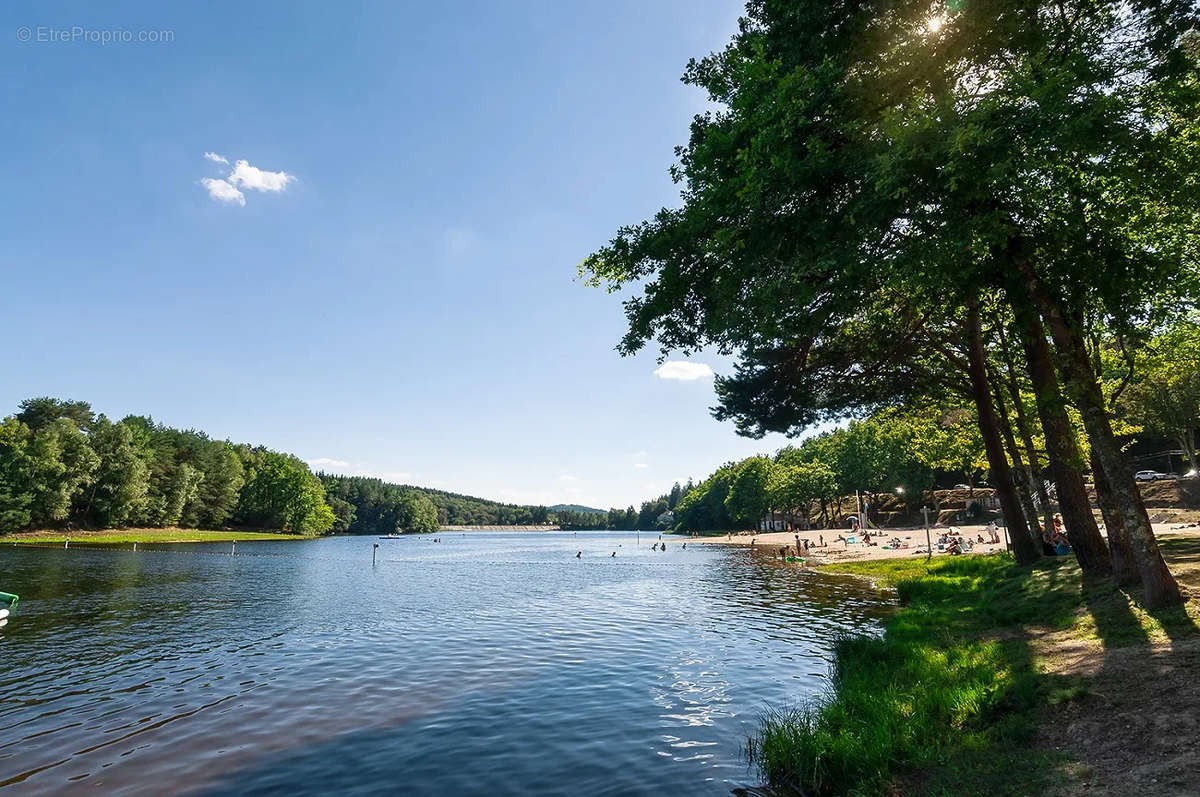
{"x": 834, "y": 550}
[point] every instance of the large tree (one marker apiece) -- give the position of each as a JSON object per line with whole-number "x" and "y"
{"x": 867, "y": 149}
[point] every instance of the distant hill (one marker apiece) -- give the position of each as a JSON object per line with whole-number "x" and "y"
{"x": 577, "y": 508}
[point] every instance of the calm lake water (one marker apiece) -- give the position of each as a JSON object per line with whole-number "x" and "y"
{"x": 485, "y": 664}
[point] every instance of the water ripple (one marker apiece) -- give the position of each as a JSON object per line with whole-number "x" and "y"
{"x": 484, "y": 664}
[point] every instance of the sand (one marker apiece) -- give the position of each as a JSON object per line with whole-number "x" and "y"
{"x": 834, "y": 550}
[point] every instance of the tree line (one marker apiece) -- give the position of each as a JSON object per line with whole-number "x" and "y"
{"x": 999, "y": 209}
{"x": 366, "y": 505}
{"x": 62, "y": 465}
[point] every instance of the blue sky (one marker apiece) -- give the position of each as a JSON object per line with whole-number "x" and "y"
{"x": 387, "y": 286}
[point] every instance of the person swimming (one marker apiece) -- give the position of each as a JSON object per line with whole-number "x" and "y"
{"x": 579, "y": 554}
{"x": 614, "y": 556}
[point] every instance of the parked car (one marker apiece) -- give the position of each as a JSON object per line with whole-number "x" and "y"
{"x": 1150, "y": 475}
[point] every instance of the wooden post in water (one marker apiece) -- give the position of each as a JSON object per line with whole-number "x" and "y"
{"x": 233, "y": 550}
{"x": 373, "y": 551}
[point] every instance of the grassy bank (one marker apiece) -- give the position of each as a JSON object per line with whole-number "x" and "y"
{"x": 951, "y": 699}
{"x": 119, "y": 536}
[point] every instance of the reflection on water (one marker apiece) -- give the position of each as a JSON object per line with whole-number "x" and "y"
{"x": 484, "y": 664}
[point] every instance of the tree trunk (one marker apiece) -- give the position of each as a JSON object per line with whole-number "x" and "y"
{"x": 1065, "y": 460}
{"x": 1020, "y": 473}
{"x": 1187, "y": 441}
{"x": 1158, "y": 585}
{"x": 1125, "y": 572}
{"x": 1002, "y": 478}
{"x": 1036, "y": 474}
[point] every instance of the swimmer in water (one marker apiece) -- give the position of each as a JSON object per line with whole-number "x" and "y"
{"x": 579, "y": 554}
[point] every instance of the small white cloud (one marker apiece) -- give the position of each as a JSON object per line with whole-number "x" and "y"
{"x": 246, "y": 176}
{"x": 685, "y": 371}
{"x": 640, "y": 465}
{"x": 566, "y": 477}
{"x": 223, "y": 191}
{"x": 242, "y": 176}
{"x": 326, "y": 462}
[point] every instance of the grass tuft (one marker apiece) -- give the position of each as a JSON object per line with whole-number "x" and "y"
{"x": 941, "y": 695}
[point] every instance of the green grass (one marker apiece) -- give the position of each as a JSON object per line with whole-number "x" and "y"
{"x": 948, "y": 700}
{"x": 125, "y": 536}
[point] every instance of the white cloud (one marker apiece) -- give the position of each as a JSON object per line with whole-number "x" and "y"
{"x": 680, "y": 369}
{"x": 326, "y": 462}
{"x": 640, "y": 465}
{"x": 246, "y": 176}
{"x": 223, "y": 191}
{"x": 242, "y": 176}
{"x": 344, "y": 468}
{"x": 566, "y": 477}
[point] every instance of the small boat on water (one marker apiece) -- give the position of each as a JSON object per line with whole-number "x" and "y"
{"x": 9, "y": 601}
{"x": 390, "y": 536}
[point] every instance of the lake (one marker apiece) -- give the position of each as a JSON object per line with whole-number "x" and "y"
{"x": 487, "y": 663}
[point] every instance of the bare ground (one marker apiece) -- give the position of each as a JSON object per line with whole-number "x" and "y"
{"x": 1135, "y": 726}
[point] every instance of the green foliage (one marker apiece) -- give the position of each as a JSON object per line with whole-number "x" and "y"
{"x": 748, "y": 499}
{"x": 703, "y": 507}
{"x": 932, "y": 690}
{"x": 376, "y": 506}
{"x": 795, "y": 486}
{"x": 343, "y": 514}
{"x": 1164, "y": 396}
{"x": 122, "y": 480}
{"x": 417, "y": 514}
{"x": 61, "y": 464}
{"x": 16, "y": 486}
{"x": 280, "y": 492}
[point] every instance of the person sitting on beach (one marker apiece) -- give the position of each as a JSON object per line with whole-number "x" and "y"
{"x": 954, "y": 548}
{"x": 979, "y": 538}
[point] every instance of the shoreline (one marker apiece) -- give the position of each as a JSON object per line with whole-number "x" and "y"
{"x": 835, "y": 551}
{"x": 1062, "y": 685}
{"x": 123, "y": 536}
